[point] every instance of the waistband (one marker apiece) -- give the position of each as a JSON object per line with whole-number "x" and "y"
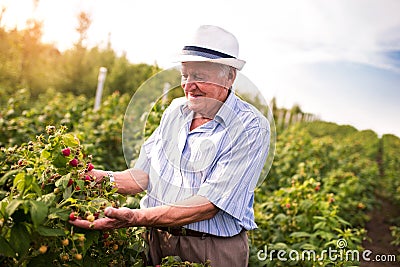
{"x": 181, "y": 231}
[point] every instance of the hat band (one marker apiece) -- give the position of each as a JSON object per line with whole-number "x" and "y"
{"x": 204, "y": 52}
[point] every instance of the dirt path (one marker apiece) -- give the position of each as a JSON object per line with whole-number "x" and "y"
{"x": 379, "y": 233}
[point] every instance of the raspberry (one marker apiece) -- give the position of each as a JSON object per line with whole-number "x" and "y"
{"x": 66, "y": 151}
{"x": 73, "y": 162}
{"x": 90, "y": 166}
{"x": 70, "y": 182}
{"x": 72, "y": 216}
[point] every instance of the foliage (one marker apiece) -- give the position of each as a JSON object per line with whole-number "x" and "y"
{"x": 391, "y": 173}
{"x": 318, "y": 191}
{"x": 175, "y": 261}
{"x": 319, "y": 188}
{"x": 43, "y": 185}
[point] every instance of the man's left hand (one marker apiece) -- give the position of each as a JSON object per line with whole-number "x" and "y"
{"x": 116, "y": 218}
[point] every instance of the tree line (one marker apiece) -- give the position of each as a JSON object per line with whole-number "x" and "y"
{"x": 27, "y": 62}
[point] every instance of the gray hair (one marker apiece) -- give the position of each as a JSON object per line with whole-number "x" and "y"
{"x": 225, "y": 70}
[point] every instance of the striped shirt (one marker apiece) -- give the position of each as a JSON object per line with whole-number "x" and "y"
{"x": 220, "y": 160}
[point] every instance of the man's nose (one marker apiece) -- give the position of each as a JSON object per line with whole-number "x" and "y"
{"x": 189, "y": 85}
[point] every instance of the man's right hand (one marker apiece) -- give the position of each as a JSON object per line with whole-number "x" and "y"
{"x": 98, "y": 175}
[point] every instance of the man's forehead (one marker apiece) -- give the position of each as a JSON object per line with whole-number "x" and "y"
{"x": 203, "y": 66}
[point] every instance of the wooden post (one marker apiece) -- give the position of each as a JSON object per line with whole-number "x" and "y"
{"x": 100, "y": 85}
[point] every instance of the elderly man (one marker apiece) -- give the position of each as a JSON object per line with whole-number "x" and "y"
{"x": 200, "y": 166}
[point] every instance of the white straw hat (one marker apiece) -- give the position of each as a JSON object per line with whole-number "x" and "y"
{"x": 212, "y": 44}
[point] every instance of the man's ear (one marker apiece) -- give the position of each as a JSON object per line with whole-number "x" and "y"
{"x": 232, "y": 75}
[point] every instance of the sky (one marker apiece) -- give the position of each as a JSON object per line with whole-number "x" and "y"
{"x": 337, "y": 59}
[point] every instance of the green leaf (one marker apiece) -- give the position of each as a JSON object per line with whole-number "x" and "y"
{"x": 20, "y": 239}
{"x": 67, "y": 192}
{"x": 91, "y": 237}
{"x": 28, "y": 181}
{"x": 63, "y": 181}
{"x": 281, "y": 217}
{"x": 70, "y": 140}
{"x": 38, "y": 212}
{"x": 48, "y": 198}
{"x": 37, "y": 189}
{"x": 12, "y": 206}
{"x": 319, "y": 225}
{"x": 19, "y": 181}
{"x": 279, "y": 245}
{"x": 306, "y": 204}
{"x": 59, "y": 160}
{"x": 320, "y": 218}
{"x": 3, "y": 208}
{"x": 308, "y": 246}
{"x": 59, "y": 213}
{"x": 300, "y": 234}
{"x": 5, "y": 248}
{"x": 46, "y": 231}
{"x": 4, "y": 179}
{"x": 45, "y": 154}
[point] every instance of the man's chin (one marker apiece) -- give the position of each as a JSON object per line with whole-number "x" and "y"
{"x": 195, "y": 107}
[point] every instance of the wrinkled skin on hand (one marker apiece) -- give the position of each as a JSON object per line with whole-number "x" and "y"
{"x": 116, "y": 218}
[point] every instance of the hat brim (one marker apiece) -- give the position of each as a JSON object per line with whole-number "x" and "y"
{"x": 233, "y": 62}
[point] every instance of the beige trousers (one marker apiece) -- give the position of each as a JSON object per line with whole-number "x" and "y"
{"x": 220, "y": 251}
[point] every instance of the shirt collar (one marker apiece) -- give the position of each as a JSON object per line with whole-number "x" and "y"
{"x": 224, "y": 115}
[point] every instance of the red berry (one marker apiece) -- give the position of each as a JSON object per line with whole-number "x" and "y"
{"x": 70, "y": 182}
{"x": 73, "y": 162}
{"x": 96, "y": 215}
{"x": 88, "y": 178}
{"x": 317, "y": 188}
{"x": 288, "y": 205}
{"x": 72, "y": 216}
{"x": 105, "y": 235}
{"x": 77, "y": 188}
{"x": 90, "y": 166}
{"x": 66, "y": 151}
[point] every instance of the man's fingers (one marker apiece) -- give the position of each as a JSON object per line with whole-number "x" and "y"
{"x": 100, "y": 224}
{"x": 109, "y": 212}
{"x": 121, "y": 214}
{"x": 82, "y": 224}
{"x": 116, "y": 218}
{"x": 116, "y": 213}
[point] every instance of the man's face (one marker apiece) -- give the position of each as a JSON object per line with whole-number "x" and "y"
{"x": 205, "y": 85}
